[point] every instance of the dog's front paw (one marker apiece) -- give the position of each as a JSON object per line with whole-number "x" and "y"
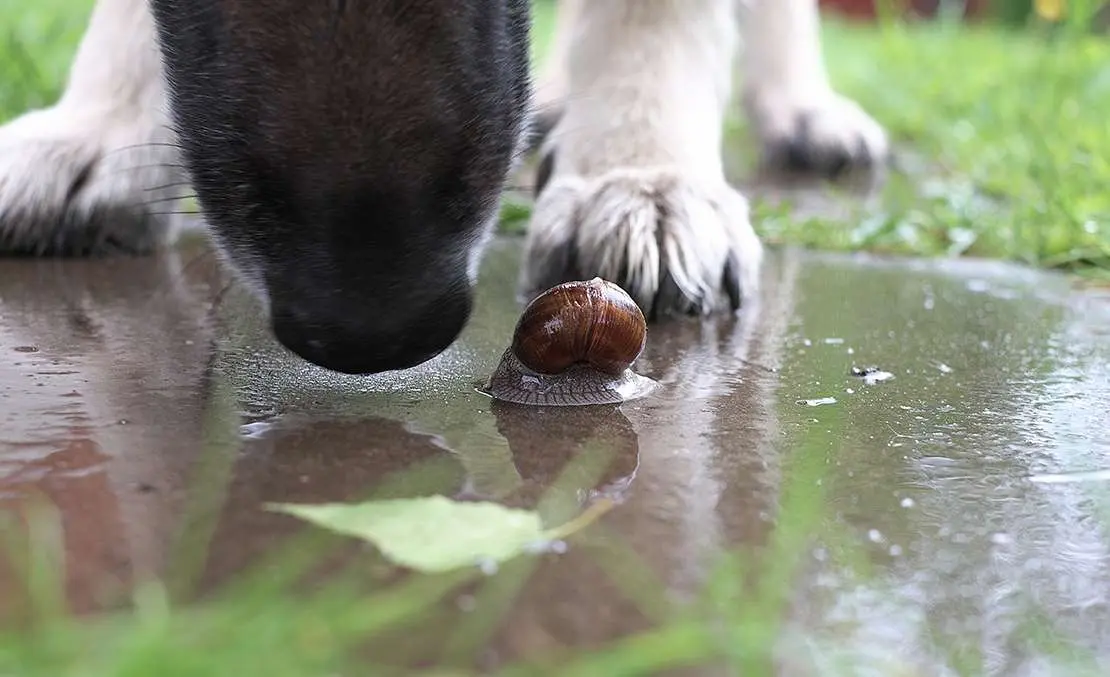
{"x": 674, "y": 243}
{"x": 85, "y": 184}
{"x": 826, "y": 133}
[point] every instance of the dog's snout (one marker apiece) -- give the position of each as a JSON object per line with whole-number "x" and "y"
{"x": 357, "y": 338}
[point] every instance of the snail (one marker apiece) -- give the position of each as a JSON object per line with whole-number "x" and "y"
{"x": 574, "y": 344}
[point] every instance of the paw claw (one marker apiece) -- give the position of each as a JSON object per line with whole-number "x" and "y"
{"x": 544, "y": 172}
{"x": 676, "y": 247}
{"x": 828, "y": 135}
{"x": 730, "y": 281}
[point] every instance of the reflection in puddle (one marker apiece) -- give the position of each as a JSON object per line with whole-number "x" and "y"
{"x": 1068, "y": 478}
{"x": 953, "y": 516}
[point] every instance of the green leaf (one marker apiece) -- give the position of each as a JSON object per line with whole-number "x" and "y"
{"x": 430, "y": 534}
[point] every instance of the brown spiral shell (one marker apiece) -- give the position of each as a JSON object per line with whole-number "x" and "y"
{"x": 592, "y": 322}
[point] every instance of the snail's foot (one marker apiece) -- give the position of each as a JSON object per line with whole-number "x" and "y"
{"x": 675, "y": 244}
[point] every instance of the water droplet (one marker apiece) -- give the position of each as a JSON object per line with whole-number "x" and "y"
{"x": 895, "y": 550}
{"x": 999, "y": 538}
{"x": 872, "y": 375}
{"x": 877, "y": 377}
{"x": 254, "y": 431}
{"x": 557, "y": 547}
{"x": 875, "y": 536}
{"x": 466, "y": 603}
{"x": 907, "y": 502}
{"x": 818, "y": 402}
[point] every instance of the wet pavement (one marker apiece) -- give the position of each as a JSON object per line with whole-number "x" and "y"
{"x": 952, "y": 517}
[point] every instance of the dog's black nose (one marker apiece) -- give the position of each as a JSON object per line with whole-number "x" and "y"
{"x": 343, "y": 337}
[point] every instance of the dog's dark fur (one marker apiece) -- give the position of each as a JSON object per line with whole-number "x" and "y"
{"x": 348, "y": 155}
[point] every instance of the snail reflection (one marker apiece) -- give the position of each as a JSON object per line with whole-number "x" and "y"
{"x": 580, "y": 453}
{"x": 574, "y": 345}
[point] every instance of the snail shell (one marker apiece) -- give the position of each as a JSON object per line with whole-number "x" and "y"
{"x": 573, "y": 345}
{"x": 592, "y": 322}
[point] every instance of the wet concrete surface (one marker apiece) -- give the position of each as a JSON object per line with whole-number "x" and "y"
{"x": 954, "y": 515}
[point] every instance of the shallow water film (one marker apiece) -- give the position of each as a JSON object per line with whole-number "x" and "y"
{"x": 883, "y": 467}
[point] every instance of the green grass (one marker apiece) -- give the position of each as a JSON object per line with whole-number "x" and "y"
{"x": 1005, "y": 135}
{"x": 37, "y": 41}
{"x": 1010, "y": 133}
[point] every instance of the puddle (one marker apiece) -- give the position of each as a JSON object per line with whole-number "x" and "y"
{"x": 935, "y": 513}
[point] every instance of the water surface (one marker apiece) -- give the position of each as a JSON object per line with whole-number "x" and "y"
{"x": 949, "y": 519}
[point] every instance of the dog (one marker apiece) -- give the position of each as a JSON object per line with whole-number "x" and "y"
{"x": 348, "y": 158}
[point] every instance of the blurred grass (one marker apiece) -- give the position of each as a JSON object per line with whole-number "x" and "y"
{"x": 1015, "y": 151}
{"x": 1003, "y": 139}
{"x": 37, "y": 41}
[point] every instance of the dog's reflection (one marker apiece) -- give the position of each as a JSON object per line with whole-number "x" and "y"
{"x": 103, "y": 381}
{"x": 146, "y": 470}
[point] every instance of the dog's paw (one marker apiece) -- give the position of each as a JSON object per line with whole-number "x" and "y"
{"x": 675, "y": 244}
{"x": 85, "y": 184}
{"x": 826, "y": 134}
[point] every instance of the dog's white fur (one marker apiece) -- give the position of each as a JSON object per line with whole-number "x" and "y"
{"x": 638, "y": 178}
{"x": 785, "y": 79}
{"x": 111, "y": 122}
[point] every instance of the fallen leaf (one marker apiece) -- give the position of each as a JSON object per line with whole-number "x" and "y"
{"x": 435, "y": 534}
{"x": 430, "y": 534}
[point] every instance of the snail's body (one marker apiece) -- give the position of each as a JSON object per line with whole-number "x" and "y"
{"x": 579, "y": 385}
{"x": 574, "y": 345}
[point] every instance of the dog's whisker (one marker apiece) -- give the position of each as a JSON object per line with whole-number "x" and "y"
{"x": 152, "y": 165}
{"x": 218, "y": 298}
{"x": 168, "y": 198}
{"x": 167, "y": 186}
{"x": 176, "y": 212}
{"x": 140, "y": 146}
{"x": 158, "y": 296}
{"x": 202, "y": 257}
